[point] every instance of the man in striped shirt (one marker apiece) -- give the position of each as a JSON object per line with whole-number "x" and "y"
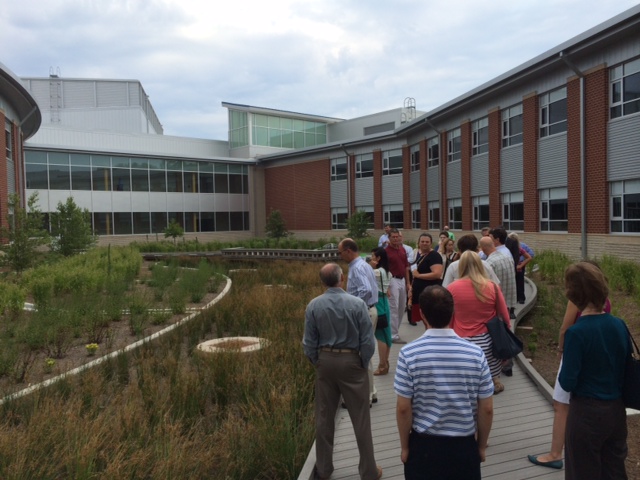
{"x": 445, "y": 397}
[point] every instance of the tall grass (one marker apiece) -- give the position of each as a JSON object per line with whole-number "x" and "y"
{"x": 170, "y": 411}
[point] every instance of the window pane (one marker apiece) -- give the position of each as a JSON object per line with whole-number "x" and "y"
{"x": 558, "y": 111}
{"x": 37, "y": 176}
{"x": 140, "y": 180}
{"x": 632, "y": 87}
{"x": 158, "y": 222}
{"x": 221, "y": 183}
{"x": 632, "y": 206}
{"x": 36, "y": 157}
{"x": 141, "y": 222}
{"x": 121, "y": 180}
{"x": 190, "y": 182}
{"x": 122, "y": 223}
{"x": 101, "y": 179}
{"x": 558, "y": 210}
{"x": 102, "y": 223}
{"x": 190, "y": 221}
{"x": 174, "y": 181}
{"x": 235, "y": 183}
{"x": 82, "y": 160}
{"x": 80, "y": 178}
{"x": 58, "y": 158}
{"x": 59, "y": 178}
{"x": 157, "y": 181}
{"x": 207, "y": 222}
{"x": 236, "y": 220}
{"x": 222, "y": 221}
{"x": 206, "y": 183}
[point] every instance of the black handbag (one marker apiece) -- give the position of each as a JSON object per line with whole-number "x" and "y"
{"x": 631, "y": 385}
{"x": 505, "y": 343}
{"x": 383, "y": 321}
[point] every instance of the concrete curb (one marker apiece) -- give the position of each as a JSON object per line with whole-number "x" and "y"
{"x": 115, "y": 353}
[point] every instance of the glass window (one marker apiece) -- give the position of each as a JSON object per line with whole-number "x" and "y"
{"x": 80, "y": 178}
{"x": 139, "y": 180}
{"x": 480, "y": 136}
{"x": 82, "y": 160}
{"x": 141, "y": 223}
{"x": 122, "y": 223}
{"x": 454, "y": 139}
{"x": 59, "y": 177}
{"x": 35, "y": 157}
{"x": 121, "y": 180}
{"x": 158, "y": 222}
{"x": 103, "y": 223}
{"x": 221, "y": 181}
{"x": 339, "y": 218}
{"x": 177, "y": 217}
{"x": 339, "y": 169}
{"x": 513, "y": 211}
{"x": 37, "y": 176}
{"x": 393, "y": 215}
{"x": 174, "y": 181}
{"x": 190, "y": 182}
{"x": 206, "y": 182}
{"x": 433, "y": 152}
{"x": 392, "y": 162}
{"x": 480, "y": 212}
{"x": 157, "y": 180}
{"x": 235, "y": 183}
{"x": 455, "y": 214}
{"x": 512, "y": 126}
{"x": 553, "y": 112}
{"x": 415, "y": 216}
{"x": 207, "y": 222}
{"x": 415, "y": 158}
{"x": 554, "y": 210}
{"x": 191, "y": 221}
{"x": 625, "y": 89}
{"x": 281, "y": 132}
{"x": 101, "y": 178}
{"x": 238, "y": 129}
{"x": 236, "y": 221}
{"x": 222, "y": 221}
{"x": 625, "y": 206}
{"x": 434, "y": 215}
{"x": 58, "y": 158}
{"x": 364, "y": 165}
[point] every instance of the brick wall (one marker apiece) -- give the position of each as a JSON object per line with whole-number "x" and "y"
{"x": 377, "y": 188}
{"x": 444, "y": 204}
{"x": 597, "y": 114}
{"x": 4, "y": 211}
{"x": 406, "y": 186}
{"x": 424, "y": 213}
{"x": 531, "y": 133}
{"x": 495, "y": 145}
{"x": 302, "y": 193}
{"x": 573, "y": 154}
{"x": 465, "y": 174}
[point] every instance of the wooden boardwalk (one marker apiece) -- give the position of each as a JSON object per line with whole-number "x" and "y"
{"x": 522, "y": 422}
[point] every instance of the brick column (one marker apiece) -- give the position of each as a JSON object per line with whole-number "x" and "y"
{"x": 351, "y": 165}
{"x": 495, "y": 146}
{"x": 444, "y": 204}
{"x": 531, "y": 133}
{"x": 4, "y": 191}
{"x": 465, "y": 174}
{"x": 424, "y": 212}
{"x": 597, "y": 115}
{"x": 406, "y": 186}
{"x": 573, "y": 154}
{"x": 377, "y": 189}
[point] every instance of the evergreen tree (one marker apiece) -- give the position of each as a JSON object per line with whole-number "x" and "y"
{"x": 276, "y": 227}
{"x": 24, "y": 234}
{"x": 71, "y": 229}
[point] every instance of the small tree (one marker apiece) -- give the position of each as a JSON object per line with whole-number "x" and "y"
{"x": 357, "y": 225}
{"x": 173, "y": 230}
{"x": 24, "y": 234}
{"x": 71, "y": 229}
{"x": 276, "y": 227}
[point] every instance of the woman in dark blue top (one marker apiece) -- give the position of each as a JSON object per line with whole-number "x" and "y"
{"x": 593, "y": 363}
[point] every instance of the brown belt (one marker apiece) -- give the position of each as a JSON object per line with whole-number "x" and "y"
{"x": 338, "y": 350}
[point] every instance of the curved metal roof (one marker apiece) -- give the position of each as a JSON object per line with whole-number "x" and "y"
{"x": 20, "y": 99}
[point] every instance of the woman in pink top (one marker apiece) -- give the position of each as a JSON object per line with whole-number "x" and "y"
{"x": 476, "y": 300}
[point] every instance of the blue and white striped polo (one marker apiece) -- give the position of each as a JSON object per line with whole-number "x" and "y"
{"x": 444, "y": 375}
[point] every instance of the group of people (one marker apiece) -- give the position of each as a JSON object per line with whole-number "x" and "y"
{"x": 453, "y": 360}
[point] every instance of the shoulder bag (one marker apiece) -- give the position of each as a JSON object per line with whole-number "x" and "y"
{"x": 382, "y": 307}
{"x": 505, "y": 343}
{"x": 631, "y": 385}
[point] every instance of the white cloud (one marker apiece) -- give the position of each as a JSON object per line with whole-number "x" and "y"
{"x": 339, "y": 58}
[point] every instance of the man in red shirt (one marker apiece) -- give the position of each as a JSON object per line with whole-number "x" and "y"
{"x": 399, "y": 284}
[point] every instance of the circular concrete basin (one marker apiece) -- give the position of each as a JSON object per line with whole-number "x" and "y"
{"x": 233, "y": 344}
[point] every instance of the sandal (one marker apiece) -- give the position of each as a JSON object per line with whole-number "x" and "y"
{"x": 382, "y": 369}
{"x": 498, "y": 388}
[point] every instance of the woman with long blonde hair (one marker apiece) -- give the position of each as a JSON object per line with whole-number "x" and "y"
{"x": 476, "y": 300}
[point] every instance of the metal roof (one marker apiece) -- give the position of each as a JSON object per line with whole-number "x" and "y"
{"x": 21, "y": 100}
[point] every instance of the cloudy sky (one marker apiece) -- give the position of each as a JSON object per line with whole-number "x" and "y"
{"x": 337, "y": 58}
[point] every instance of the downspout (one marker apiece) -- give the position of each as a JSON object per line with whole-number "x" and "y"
{"x": 583, "y": 143}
